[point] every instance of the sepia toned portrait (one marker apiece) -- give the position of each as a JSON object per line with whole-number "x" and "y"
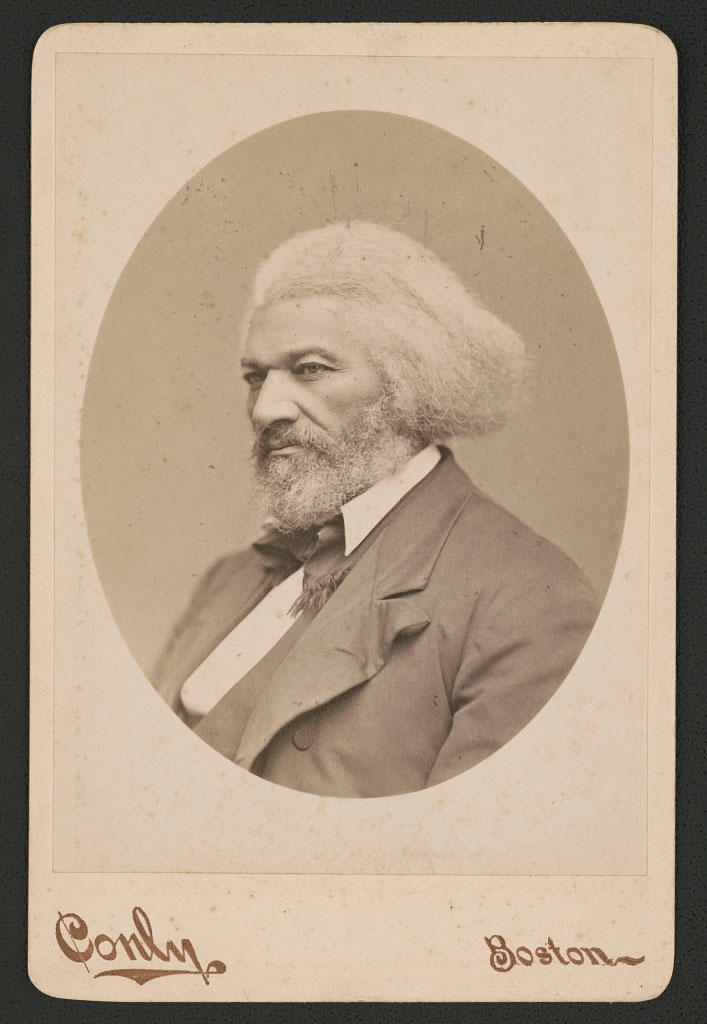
{"x": 354, "y": 455}
{"x": 352, "y": 664}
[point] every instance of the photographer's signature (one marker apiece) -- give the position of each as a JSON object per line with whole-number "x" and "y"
{"x": 72, "y": 935}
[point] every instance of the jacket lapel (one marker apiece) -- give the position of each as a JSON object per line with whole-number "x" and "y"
{"x": 350, "y": 639}
{"x": 230, "y": 591}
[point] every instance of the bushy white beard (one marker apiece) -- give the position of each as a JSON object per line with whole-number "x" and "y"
{"x": 307, "y": 488}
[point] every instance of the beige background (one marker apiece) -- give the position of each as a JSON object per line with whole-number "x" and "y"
{"x": 585, "y": 791}
{"x": 165, "y": 439}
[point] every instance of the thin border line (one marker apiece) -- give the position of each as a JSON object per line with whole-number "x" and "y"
{"x": 650, "y": 466}
{"x": 358, "y": 874}
{"x": 54, "y": 321}
{"x": 310, "y": 56}
{"x": 335, "y": 874}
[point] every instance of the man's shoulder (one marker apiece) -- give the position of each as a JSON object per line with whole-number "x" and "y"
{"x": 491, "y": 541}
{"x": 226, "y": 571}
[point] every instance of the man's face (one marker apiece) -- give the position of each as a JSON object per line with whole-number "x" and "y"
{"x": 305, "y": 372}
{"x": 320, "y": 410}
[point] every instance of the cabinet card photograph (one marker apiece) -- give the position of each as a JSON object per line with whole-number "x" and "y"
{"x": 353, "y": 512}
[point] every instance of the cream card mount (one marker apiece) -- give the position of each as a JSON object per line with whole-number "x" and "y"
{"x": 537, "y": 163}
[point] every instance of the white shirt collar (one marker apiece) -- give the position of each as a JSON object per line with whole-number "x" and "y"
{"x": 366, "y": 510}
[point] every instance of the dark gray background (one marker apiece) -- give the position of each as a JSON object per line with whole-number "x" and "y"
{"x": 685, "y": 24}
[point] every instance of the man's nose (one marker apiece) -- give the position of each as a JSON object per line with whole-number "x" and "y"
{"x": 274, "y": 401}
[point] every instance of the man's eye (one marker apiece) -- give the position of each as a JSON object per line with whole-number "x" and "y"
{"x": 310, "y": 369}
{"x": 253, "y": 379}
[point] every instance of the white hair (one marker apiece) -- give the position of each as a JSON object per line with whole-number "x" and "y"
{"x": 452, "y": 366}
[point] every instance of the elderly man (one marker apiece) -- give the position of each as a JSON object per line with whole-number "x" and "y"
{"x": 394, "y": 626}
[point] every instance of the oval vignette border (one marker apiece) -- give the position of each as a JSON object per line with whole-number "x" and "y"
{"x": 164, "y": 437}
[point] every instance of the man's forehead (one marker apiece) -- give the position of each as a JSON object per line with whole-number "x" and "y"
{"x": 293, "y": 324}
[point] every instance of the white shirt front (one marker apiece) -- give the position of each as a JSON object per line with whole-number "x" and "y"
{"x": 260, "y": 630}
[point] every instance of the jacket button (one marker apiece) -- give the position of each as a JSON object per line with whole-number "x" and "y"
{"x": 304, "y": 737}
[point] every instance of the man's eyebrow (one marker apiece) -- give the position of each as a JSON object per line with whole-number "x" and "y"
{"x": 293, "y": 356}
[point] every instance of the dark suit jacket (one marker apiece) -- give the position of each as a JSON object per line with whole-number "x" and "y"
{"x": 450, "y": 633}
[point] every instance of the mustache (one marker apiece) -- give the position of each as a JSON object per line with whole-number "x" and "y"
{"x": 280, "y": 436}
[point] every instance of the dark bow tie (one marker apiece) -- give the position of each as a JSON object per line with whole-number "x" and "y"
{"x": 320, "y": 551}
